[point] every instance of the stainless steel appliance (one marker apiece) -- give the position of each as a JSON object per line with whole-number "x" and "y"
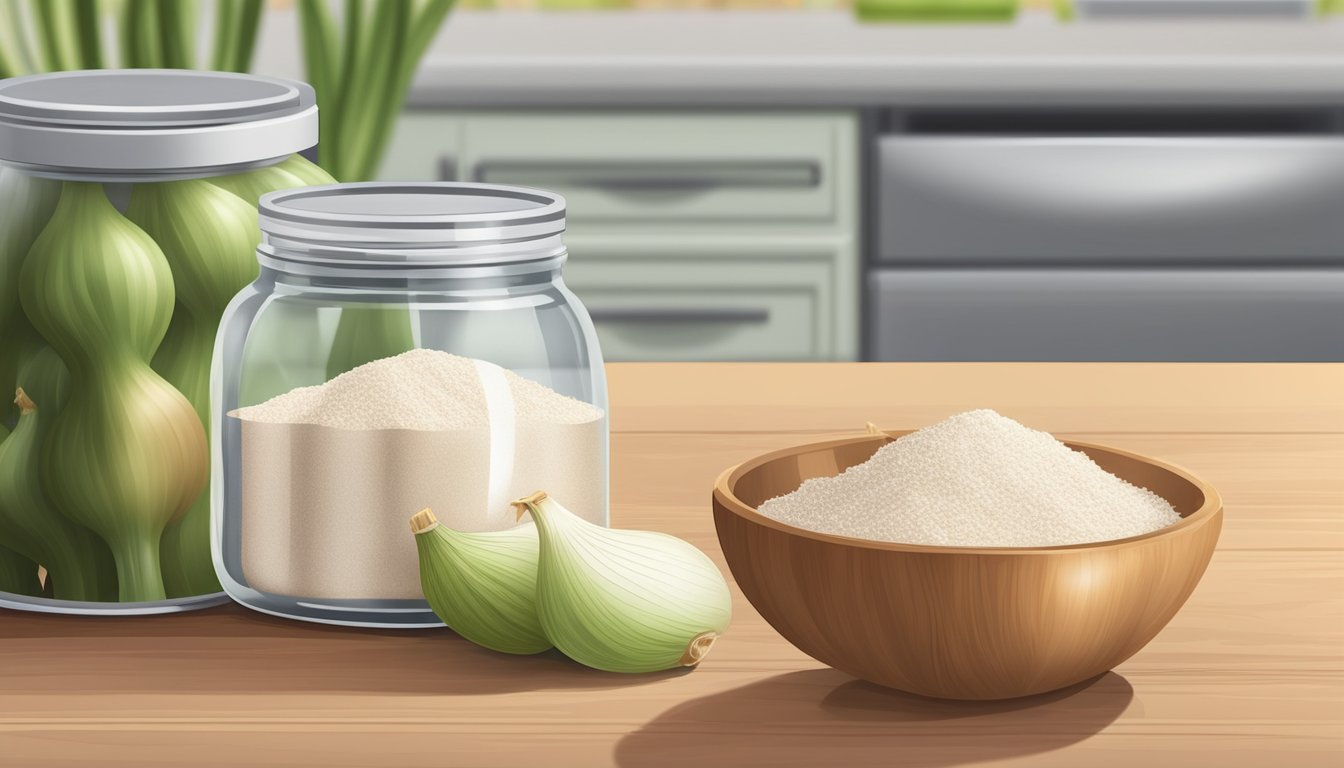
{"x": 1164, "y": 236}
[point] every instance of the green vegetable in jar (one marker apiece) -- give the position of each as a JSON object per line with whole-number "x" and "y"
{"x": 78, "y": 563}
{"x": 18, "y": 574}
{"x": 310, "y": 174}
{"x": 26, "y": 203}
{"x": 209, "y": 238}
{"x": 365, "y": 334}
{"x": 624, "y": 601}
{"x": 251, "y": 185}
{"x": 482, "y": 585}
{"x": 292, "y": 172}
{"x": 126, "y": 455}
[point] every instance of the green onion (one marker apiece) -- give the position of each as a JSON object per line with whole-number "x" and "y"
{"x": 127, "y": 47}
{"x": 365, "y": 334}
{"x": 360, "y": 98}
{"x": 226, "y": 28}
{"x": 624, "y": 601}
{"x": 128, "y": 453}
{"x": 177, "y": 32}
{"x": 372, "y": 95}
{"x": 29, "y": 202}
{"x": 209, "y": 238}
{"x": 345, "y": 102}
{"x": 77, "y": 561}
{"x": 423, "y": 28}
{"x": 56, "y": 28}
{"x": 236, "y": 24}
{"x": 141, "y": 42}
{"x": 245, "y": 41}
{"x": 320, "y": 54}
{"x": 88, "y": 34}
{"x": 16, "y": 58}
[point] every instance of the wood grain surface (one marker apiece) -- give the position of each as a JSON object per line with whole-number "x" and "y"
{"x": 1249, "y": 673}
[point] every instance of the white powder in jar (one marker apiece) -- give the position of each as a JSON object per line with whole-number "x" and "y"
{"x": 977, "y": 479}
{"x": 332, "y": 473}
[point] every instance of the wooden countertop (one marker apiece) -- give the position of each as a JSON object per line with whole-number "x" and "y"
{"x": 1249, "y": 673}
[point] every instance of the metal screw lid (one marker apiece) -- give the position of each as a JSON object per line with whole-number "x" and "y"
{"x": 149, "y": 124}
{"x": 430, "y": 224}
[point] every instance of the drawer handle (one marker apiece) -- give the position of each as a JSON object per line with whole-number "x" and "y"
{"x": 652, "y": 177}
{"x": 679, "y": 315}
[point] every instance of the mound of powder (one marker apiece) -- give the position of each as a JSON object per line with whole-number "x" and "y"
{"x": 423, "y": 389}
{"x": 977, "y": 479}
{"x": 331, "y": 473}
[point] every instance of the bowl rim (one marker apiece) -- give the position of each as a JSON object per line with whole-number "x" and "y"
{"x": 724, "y": 494}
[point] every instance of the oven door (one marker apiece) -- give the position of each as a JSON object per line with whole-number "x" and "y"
{"x": 1087, "y": 246}
{"x": 1120, "y": 199}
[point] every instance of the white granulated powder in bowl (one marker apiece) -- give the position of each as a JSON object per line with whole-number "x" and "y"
{"x": 331, "y": 473}
{"x": 977, "y": 479}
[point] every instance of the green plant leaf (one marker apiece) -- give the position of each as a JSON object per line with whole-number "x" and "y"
{"x": 89, "y": 34}
{"x": 15, "y": 54}
{"x": 226, "y": 29}
{"x": 320, "y": 55}
{"x": 57, "y": 29}
{"x": 177, "y": 32}
{"x": 245, "y": 41}
{"x": 141, "y": 42}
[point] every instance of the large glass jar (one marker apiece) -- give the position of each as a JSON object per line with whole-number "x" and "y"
{"x": 128, "y": 221}
{"x": 405, "y": 346}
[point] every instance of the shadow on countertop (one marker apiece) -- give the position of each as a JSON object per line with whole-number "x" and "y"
{"x": 824, "y": 717}
{"x": 230, "y": 649}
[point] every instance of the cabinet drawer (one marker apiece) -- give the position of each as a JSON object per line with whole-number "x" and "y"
{"x": 1251, "y": 199}
{"x": 724, "y": 312}
{"x": 639, "y": 167}
{"x": 1193, "y": 315}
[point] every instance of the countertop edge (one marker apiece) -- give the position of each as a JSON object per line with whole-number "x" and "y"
{"x": 777, "y": 84}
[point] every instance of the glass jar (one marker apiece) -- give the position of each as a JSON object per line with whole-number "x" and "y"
{"x": 405, "y": 346}
{"x": 127, "y": 223}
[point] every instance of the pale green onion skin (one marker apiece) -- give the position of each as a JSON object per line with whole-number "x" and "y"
{"x": 310, "y": 174}
{"x": 293, "y": 171}
{"x": 126, "y": 454}
{"x": 624, "y": 601}
{"x": 484, "y": 585}
{"x": 251, "y": 185}
{"x": 209, "y": 238}
{"x": 79, "y": 563}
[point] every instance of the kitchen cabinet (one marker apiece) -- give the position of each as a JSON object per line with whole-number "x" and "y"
{"x": 692, "y": 235}
{"x": 723, "y": 309}
{"x": 1110, "y": 197}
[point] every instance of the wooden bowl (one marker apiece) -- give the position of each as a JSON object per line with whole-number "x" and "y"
{"x": 961, "y": 623}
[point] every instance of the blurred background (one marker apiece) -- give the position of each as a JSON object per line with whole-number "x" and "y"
{"x": 837, "y": 180}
